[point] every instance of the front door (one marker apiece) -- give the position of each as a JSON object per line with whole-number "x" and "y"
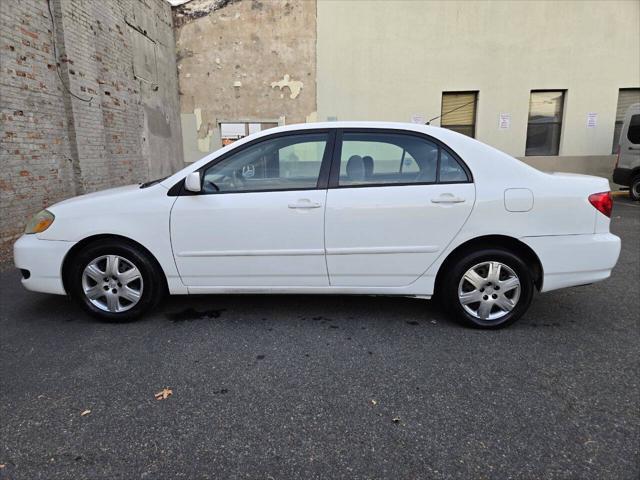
{"x": 396, "y": 202}
{"x": 259, "y": 220}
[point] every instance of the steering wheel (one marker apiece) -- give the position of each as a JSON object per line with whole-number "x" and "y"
{"x": 233, "y": 181}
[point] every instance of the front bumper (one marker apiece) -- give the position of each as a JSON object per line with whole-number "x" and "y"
{"x": 43, "y": 259}
{"x": 571, "y": 260}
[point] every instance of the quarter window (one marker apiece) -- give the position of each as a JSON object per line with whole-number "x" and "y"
{"x": 389, "y": 158}
{"x": 545, "y": 122}
{"x": 281, "y": 163}
{"x": 450, "y": 170}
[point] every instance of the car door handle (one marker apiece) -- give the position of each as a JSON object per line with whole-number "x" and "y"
{"x": 447, "y": 198}
{"x": 634, "y": 148}
{"x": 305, "y": 204}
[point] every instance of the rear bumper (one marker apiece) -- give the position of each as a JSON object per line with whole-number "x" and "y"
{"x": 571, "y": 260}
{"x": 622, "y": 176}
{"x": 43, "y": 260}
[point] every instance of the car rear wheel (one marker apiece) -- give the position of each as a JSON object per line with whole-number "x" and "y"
{"x": 115, "y": 281}
{"x": 634, "y": 189}
{"x": 487, "y": 289}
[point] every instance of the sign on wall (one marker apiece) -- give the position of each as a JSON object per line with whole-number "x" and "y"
{"x": 592, "y": 120}
{"x": 505, "y": 121}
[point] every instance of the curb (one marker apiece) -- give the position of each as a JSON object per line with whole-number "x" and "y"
{"x": 620, "y": 193}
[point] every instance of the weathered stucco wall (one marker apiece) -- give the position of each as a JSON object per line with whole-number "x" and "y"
{"x": 115, "y": 119}
{"x": 243, "y": 60}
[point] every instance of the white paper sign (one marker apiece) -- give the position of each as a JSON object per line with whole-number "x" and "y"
{"x": 418, "y": 118}
{"x": 592, "y": 120}
{"x": 505, "y": 120}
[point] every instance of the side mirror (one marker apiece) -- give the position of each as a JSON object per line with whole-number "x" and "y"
{"x": 192, "y": 182}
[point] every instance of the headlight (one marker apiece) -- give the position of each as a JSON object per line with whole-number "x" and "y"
{"x": 40, "y": 222}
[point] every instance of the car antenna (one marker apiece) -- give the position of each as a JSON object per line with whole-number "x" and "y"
{"x": 450, "y": 111}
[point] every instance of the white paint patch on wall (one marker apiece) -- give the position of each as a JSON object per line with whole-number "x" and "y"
{"x": 204, "y": 141}
{"x": 294, "y": 85}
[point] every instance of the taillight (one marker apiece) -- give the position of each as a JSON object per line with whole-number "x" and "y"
{"x": 603, "y": 202}
{"x": 617, "y": 156}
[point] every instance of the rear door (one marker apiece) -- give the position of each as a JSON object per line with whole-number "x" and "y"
{"x": 396, "y": 200}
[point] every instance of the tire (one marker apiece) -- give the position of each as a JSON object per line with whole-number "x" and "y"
{"x": 504, "y": 304}
{"x": 634, "y": 188}
{"x": 113, "y": 296}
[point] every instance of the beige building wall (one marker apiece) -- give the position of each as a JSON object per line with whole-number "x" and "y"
{"x": 390, "y": 60}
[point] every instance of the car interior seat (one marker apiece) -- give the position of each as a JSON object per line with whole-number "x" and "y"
{"x": 355, "y": 169}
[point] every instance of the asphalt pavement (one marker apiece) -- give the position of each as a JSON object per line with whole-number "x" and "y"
{"x": 326, "y": 387}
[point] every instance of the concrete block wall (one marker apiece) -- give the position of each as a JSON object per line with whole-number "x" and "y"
{"x": 109, "y": 116}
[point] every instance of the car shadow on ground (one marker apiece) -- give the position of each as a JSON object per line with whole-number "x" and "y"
{"x": 344, "y": 307}
{"x": 546, "y": 311}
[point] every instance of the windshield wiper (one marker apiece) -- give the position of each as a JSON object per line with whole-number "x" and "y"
{"x": 152, "y": 182}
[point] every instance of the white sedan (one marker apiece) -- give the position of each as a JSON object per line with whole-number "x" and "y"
{"x": 331, "y": 208}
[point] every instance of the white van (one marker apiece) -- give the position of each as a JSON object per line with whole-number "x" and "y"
{"x": 627, "y": 169}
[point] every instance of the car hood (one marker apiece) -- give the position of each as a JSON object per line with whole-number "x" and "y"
{"x": 102, "y": 195}
{"x": 107, "y": 212}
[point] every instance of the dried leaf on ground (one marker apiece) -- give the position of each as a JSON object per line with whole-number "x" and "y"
{"x": 164, "y": 394}
{"x": 86, "y": 412}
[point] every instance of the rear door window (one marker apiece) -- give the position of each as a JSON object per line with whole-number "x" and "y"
{"x": 370, "y": 158}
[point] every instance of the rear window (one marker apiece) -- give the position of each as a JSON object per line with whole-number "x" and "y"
{"x": 633, "y": 134}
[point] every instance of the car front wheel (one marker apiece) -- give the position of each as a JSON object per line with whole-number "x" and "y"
{"x": 114, "y": 281}
{"x": 488, "y": 289}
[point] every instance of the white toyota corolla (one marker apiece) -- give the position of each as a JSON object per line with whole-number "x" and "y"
{"x": 338, "y": 208}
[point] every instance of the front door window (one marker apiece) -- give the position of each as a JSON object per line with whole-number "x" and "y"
{"x": 281, "y": 163}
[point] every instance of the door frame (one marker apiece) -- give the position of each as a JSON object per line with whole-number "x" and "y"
{"x": 178, "y": 190}
{"x": 334, "y": 173}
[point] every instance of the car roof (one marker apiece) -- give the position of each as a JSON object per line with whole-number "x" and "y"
{"x": 469, "y": 149}
{"x": 353, "y": 124}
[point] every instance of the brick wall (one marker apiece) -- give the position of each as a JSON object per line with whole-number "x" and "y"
{"x": 117, "y": 120}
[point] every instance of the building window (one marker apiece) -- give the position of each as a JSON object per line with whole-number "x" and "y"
{"x": 232, "y": 131}
{"x": 545, "y": 122}
{"x": 626, "y": 98}
{"x": 459, "y": 112}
